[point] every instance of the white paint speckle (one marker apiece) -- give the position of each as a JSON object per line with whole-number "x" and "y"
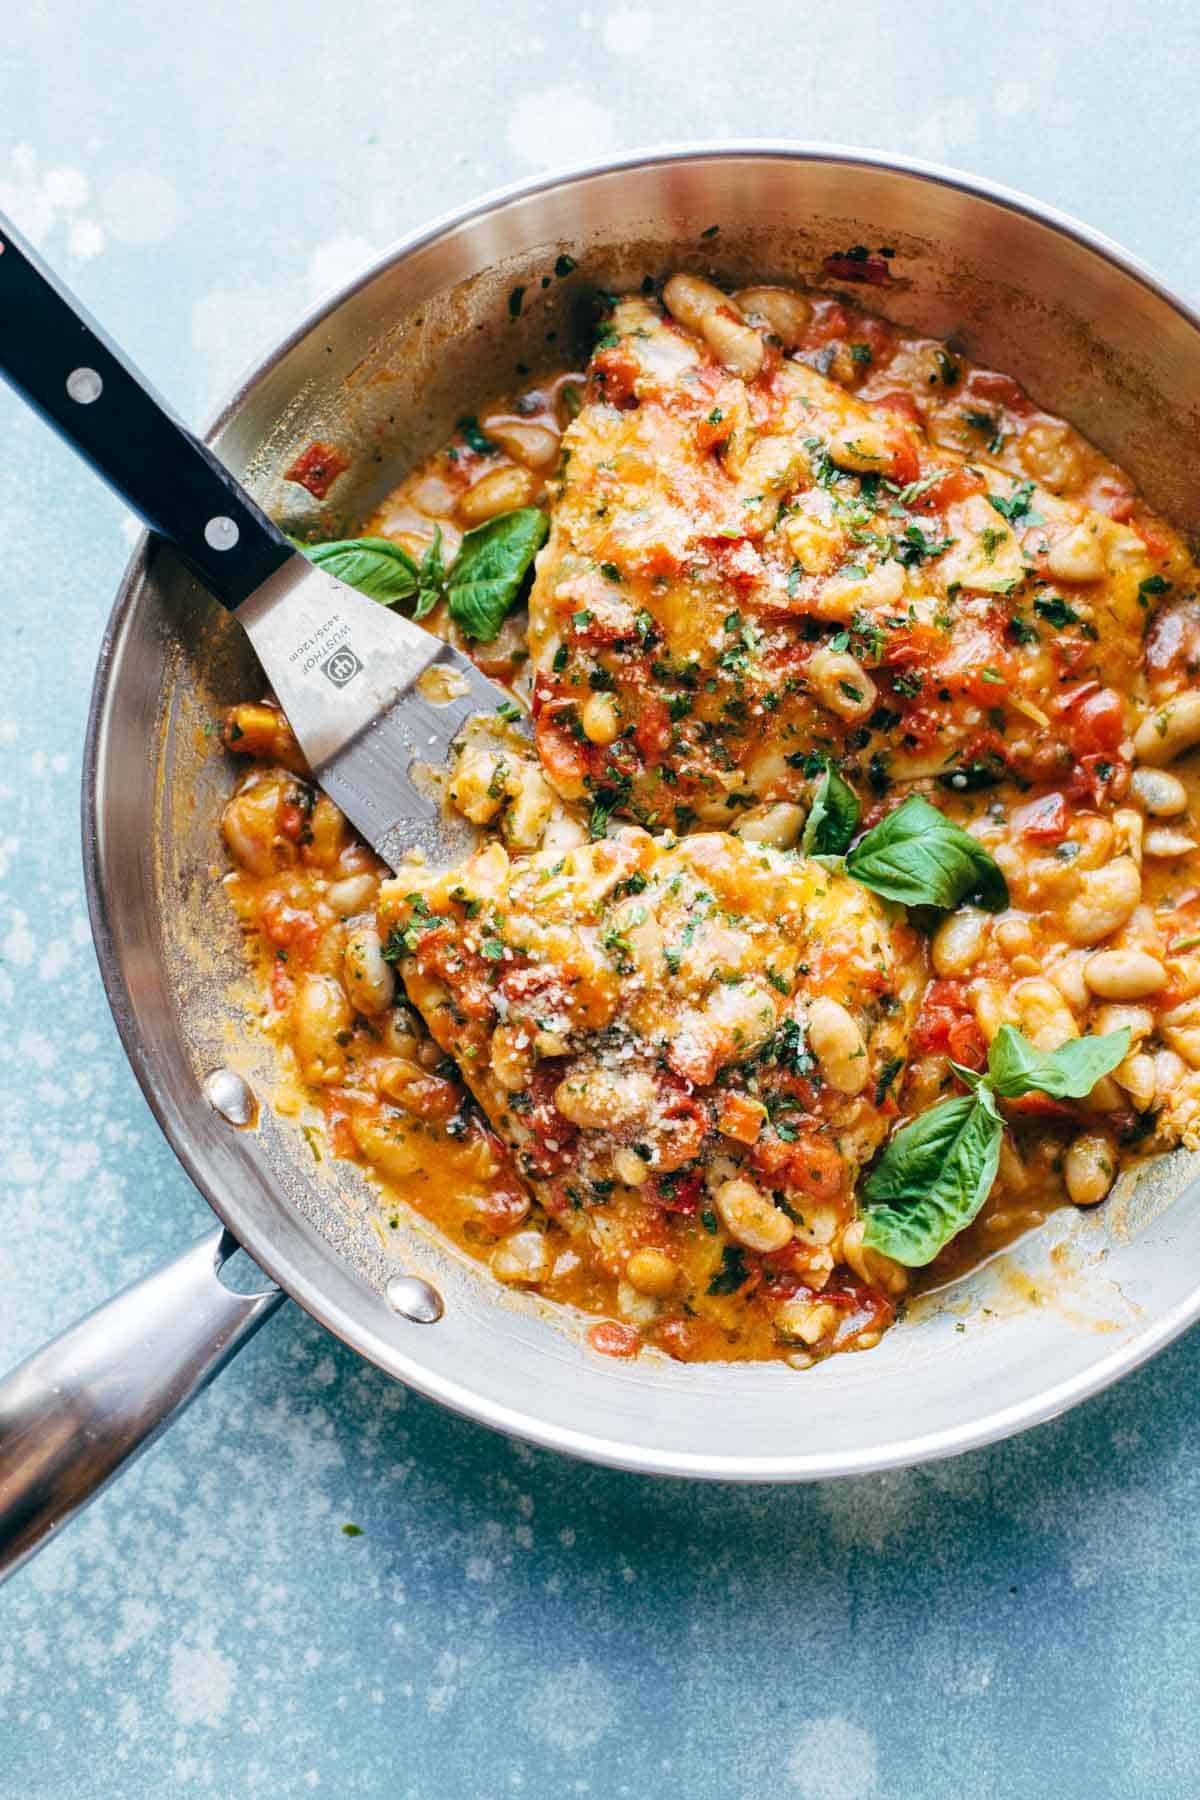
{"x": 335, "y": 260}
{"x": 627, "y": 31}
{"x": 834, "y": 1759}
{"x": 572, "y": 1708}
{"x": 41, "y": 202}
{"x": 85, "y": 239}
{"x": 139, "y": 206}
{"x": 200, "y": 1685}
{"x": 948, "y": 128}
{"x": 559, "y": 124}
{"x": 1012, "y": 97}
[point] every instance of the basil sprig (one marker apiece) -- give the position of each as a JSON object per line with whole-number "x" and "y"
{"x": 919, "y": 857}
{"x": 382, "y": 569}
{"x": 490, "y": 568}
{"x": 1015, "y": 1067}
{"x": 937, "y": 1172}
{"x": 833, "y": 820}
{"x": 481, "y": 585}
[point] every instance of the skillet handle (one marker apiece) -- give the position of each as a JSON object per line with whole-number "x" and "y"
{"x": 71, "y": 373}
{"x": 73, "y": 1414}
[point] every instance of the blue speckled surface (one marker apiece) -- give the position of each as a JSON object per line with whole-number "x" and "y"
{"x": 1019, "y": 1621}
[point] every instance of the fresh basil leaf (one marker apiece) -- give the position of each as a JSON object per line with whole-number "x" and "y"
{"x": 932, "y": 1179}
{"x": 432, "y": 577}
{"x": 1015, "y": 1067}
{"x": 491, "y": 567}
{"x": 375, "y": 566}
{"x": 834, "y": 818}
{"x": 920, "y": 858}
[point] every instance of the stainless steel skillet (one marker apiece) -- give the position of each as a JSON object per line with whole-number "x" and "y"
{"x": 380, "y": 374}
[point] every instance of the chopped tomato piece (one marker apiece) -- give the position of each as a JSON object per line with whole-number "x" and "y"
{"x": 1098, "y": 723}
{"x": 955, "y": 484}
{"x": 1042, "y": 1106}
{"x": 1099, "y": 778}
{"x": 615, "y": 375}
{"x": 652, "y": 733}
{"x": 858, "y": 265}
{"x": 337, "y": 1123}
{"x": 317, "y": 468}
{"x": 807, "y": 1164}
{"x": 905, "y": 465}
{"x": 1147, "y": 529}
{"x": 946, "y": 1024}
{"x": 741, "y": 1118}
{"x": 1044, "y": 821}
{"x": 289, "y": 927}
{"x": 683, "y": 1122}
{"x": 292, "y": 819}
{"x": 677, "y": 1194}
{"x": 1110, "y": 496}
{"x": 611, "y": 1339}
{"x": 904, "y": 405}
{"x": 564, "y": 758}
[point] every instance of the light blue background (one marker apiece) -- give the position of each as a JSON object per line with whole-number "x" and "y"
{"x": 1020, "y": 1621}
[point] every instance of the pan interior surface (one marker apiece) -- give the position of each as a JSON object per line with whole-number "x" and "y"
{"x": 382, "y": 374}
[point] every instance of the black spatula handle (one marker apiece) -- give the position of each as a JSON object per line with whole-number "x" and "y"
{"x": 67, "y": 369}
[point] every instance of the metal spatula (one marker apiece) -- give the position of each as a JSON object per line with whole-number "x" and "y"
{"x": 345, "y": 669}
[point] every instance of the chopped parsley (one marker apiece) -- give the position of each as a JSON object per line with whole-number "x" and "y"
{"x": 732, "y": 1273}
{"x": 1017, "y": 506}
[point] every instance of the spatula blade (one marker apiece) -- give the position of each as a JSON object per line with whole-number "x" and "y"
{"x": 390, "y": 779}
{"x": 375, "y": 702}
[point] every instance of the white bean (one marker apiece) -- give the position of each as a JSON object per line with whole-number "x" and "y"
{"x": 526, "y": 820}
{"x": 806, "y": 1320}
{"x": 958, "y": 942}
{"x": 1106, "y": 899}
{"x": 1090, "y": 1168}
{"x": 841, "y": 684}
{"x": 371, "y": 981}
{"x": 353, "y": 894}
{"x": 690, "y": 299}
{"x": 861, "y": 446}
{"x": 1138, "y": 1076}
{"x": 1160, "y": 793}
{"x": 320, "y": 1017}
{"x": 1137, "y": 1020}
{"x": 733, "y": 342}
{"x": 1042, "y": 1013}
{"x": 1124, "y": 974}
{"x": 1180, "y": 1030}
{"x": 1168, "y": 732}
{"x": 750, "y": 1217}
{"x": 522, "y": 1259}
{"x": 511, "y": 1057}
{"x": 838, "y": 1046}
{"x": 779, "y": 825}
{"x": 1162, "y": 842}
{"x": 534, "y": 446}
{"x": 500, "y": 492}
{"x": 652, "y": 1272}
{"x": 872, "y": 1266}
{"x": 785, "y": 313}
